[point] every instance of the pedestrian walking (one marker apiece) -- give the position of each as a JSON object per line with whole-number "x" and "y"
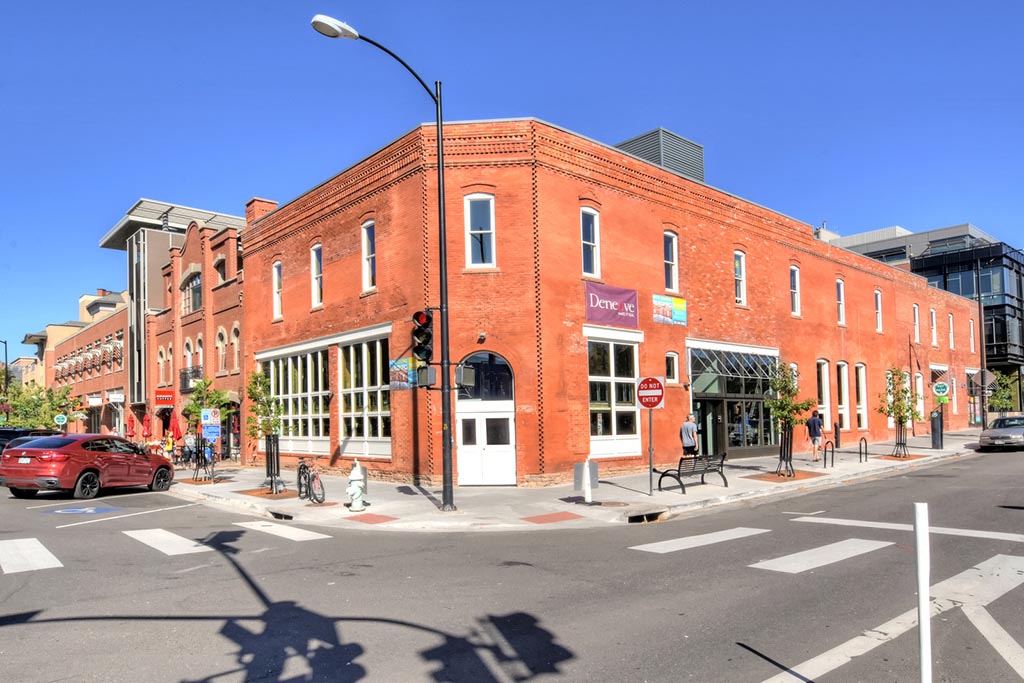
{"x": 688, "y": 435}
{"x": 814, "y": 427}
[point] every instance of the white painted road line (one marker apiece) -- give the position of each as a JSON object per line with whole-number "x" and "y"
{"x": 997, "y": 636}
{"x": 675, "y": 544}
{"x": 290, "y": 532}
{"x": 819, "y": 557}
{"x": 25, "y": 555}
{"x": 168, "y": 543}
{"x": 976, "y": 587}
{"x": 946, "y": 531}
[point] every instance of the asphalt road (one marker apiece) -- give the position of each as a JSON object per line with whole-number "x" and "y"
{"x": 146, "y": 587}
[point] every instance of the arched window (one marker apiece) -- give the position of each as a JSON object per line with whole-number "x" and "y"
{"x": 222, "y": 351}
{"x": 160, "y": 360}
{"x": 192, "y": 294}
{"x": 235, "y": 352}
{"x": 493, "y": 381}
{"x": 186, "y": 355}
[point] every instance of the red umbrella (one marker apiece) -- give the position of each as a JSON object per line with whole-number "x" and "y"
{"x": 130, "y": 431}
{"x": 146, "y": 432}
{"x": 175, "y": 427}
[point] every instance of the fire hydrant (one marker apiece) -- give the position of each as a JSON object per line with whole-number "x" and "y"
{"x": 357, "y": 488}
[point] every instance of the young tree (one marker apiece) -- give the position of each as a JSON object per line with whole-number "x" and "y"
{"x": 1002, "y": 397}
{"x": 264, "y": 415}
{"x": 899, "y": 402}
{"x": 204, "y": 396}
{"x": 785, "y": 409}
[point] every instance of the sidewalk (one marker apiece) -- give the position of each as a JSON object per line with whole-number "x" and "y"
{"x": 618, "y": 500}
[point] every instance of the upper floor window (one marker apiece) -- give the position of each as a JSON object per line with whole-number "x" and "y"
{"x": 590, "y": 239}
{"x": 222, "y": 351}
{"x": 221, "y": 267}
{"x": 369, "y": 256}
{"x": 824, "y": 391}
{"x": 935, "y": 327}
{"x": 861, "y": 394}
{"x": 972, "y": 334}
{"x": 794, "y": 290}
{"x": 192, "y": 294}
{"x": 186, "y": 355}
{"x": 670, "y": 243}
{"x": 878, "y": 311}
{"x": 917, "y": 324}
{"x": 276, "y": 284}
{"x": 739, "y": 270}
{"x": 160, "y": 362}
{"x": 199, "y": 351}
{"x": 479, "y": 212}
{"x": 951, "y": 344}
{"x": 316, "y": 275}
{"x": 840, "y": 302}
{"x": 235, "y": 339}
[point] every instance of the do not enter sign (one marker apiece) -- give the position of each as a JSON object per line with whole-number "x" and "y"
{"x": 651, "y": 392}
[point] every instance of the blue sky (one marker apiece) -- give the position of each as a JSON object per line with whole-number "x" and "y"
{"x": 864, "y": 115}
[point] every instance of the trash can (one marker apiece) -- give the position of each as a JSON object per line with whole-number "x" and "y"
{"x": 937, "y": 429}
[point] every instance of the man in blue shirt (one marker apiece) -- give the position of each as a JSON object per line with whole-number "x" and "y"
{"x": 814, "y": 426}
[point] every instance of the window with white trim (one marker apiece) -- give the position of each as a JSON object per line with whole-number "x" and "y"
{"x": 843, "y": 394}
{"x": 236, "y": 336}
{"x": 316, "y": 275}
{"x": 919, "y": 393}
{"x": 917, "y": 324}
{"x": 192, "y": 294}
{"x": 935, "y": 327}
{"x": 670, "y": 244}
{"x": 840, "y": 302}
{"x": 160, "y": 361}
{"x": 878, "y": 310}
{"x": 972, "y": 334}
{"x": 952, "y": 343}
{"x": 612, "y": 378}
{"x": 222, "y": 351}
{"x": 590, "y": 241}
{"x": 860, "y": 374}
{"x": 739, "y": 274}
{"x": 479, "y": 212}
{"x": 672, "y": 367}
{"x": 276, "y": 284}
{"x": 186, "y": 355}
{"x": 823, "y": 391}
{"x": 199, "y": 352}
{"x": 365, "y": 409}
{"x": 794, "y": 290}
{"x": 369, "y": 232}
{"x": 302, "y": 385}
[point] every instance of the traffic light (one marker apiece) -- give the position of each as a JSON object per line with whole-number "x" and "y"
{"x": 422, "y": 336}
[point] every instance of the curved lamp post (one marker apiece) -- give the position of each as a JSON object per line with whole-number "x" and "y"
{"x": 332, "y": 28}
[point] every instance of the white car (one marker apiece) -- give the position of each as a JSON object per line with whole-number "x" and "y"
{"x": 1003, "y": 432}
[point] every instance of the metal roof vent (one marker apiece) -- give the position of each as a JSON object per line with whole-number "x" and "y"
{"x": 668, "y": 150}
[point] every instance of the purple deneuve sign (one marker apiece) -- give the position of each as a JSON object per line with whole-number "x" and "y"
{"x": 612, "y": 306}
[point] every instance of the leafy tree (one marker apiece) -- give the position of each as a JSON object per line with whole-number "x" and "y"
{"x": 264, "y": 414}
{"x": 899, "y": 402}
{"x": 34, "y": 406}
{"x": 785, "y": 409}
{"x": 204, "y": 396}
{"x": 1002, "y": 396}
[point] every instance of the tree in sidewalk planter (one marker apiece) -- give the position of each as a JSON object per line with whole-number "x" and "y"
{"x": 263, "y": 419}
{"x": 785, "y": 409}
{"x": 899, "y": 403}
{"x": 204, "y": 396}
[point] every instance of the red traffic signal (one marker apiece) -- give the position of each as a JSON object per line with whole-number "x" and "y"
{"x": 423, "y": 336}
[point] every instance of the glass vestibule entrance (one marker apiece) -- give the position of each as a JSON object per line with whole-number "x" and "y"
{"x": 729, "y": 388}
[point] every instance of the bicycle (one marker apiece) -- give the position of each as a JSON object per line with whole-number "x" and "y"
{"x": 309, "y": 484}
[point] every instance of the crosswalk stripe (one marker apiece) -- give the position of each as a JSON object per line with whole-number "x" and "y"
{"x": 25, "y": 555}
{"x": 947, "y": 531}
{"x": 290, "y": 532}
{"x": 819, "y": 557}
{"x": 168, "y": 543}
{"x": 687, "y": 542}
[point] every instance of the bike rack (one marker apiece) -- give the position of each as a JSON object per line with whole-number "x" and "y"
{"x": 829, "y": 447}
{"x": 862, "y": 450}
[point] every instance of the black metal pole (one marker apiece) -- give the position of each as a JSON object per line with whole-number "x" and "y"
{"x": 983, "y": 383}
{"x": 7, "y": 371}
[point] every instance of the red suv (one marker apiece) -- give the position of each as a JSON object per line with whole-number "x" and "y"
{"x": 83, "y": 464}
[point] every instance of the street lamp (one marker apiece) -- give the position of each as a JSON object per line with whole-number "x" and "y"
{"x": 7, "y": 371}
{"x": 332, "y": 28}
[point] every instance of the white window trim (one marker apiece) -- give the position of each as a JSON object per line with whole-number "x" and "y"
{"x": 794, "y": 291}
{"x": 370, "y": 260}
{"x": 316, "y": 275}
{"x": 823, "y": 369}
{"x": 917, "y": 324}
{"x": 878, "y": 310}
{"x": 935, "y": 326}
{"x": 674, "y": 358}
{"x": 596, "y": 244}
{"x": 843, "y": 394}
{"x": 861, "y": 377}
{"x": 277, "y": 288}
{"x": 972, "y": 335}
{"x": 952, "y": 342}
{"x": 617, "y": 446}
{"x": 467, "y": 200}
{"x": 919, "y": 393}
{"x": 739, "y": 273}
{"x": 840, "y": 302}
{"x": 673, "y": 264}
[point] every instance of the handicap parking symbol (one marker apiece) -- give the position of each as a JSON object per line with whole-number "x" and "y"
{"x": 83, "y": 511}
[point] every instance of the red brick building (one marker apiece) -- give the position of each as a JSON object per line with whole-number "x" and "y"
{"x": 194, "y": 332}
{"x": 575, "y": 269}
{"x": 91, "y": 362}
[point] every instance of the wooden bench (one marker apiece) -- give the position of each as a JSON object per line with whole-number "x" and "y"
{"x": 691, "y": 466}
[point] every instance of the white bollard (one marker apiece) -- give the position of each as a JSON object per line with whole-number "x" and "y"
{"x": 924, "y": 613}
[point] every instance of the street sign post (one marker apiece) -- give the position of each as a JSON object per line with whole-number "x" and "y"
{"x": 60, "y": 420}
{"x": 940, "y": 389}
{"x": 650, "y": 393}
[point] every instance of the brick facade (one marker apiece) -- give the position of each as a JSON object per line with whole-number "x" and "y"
{"x": 530, "y": 308}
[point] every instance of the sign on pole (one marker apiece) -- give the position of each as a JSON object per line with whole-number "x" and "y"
{"x": 650, "y": 392}
{"x": 210, "y": 416}
{"x": 60, "y": 420}
{"x": 940, "y": 388}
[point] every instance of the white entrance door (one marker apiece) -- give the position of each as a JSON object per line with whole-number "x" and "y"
{"x": 486, "y": 433}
